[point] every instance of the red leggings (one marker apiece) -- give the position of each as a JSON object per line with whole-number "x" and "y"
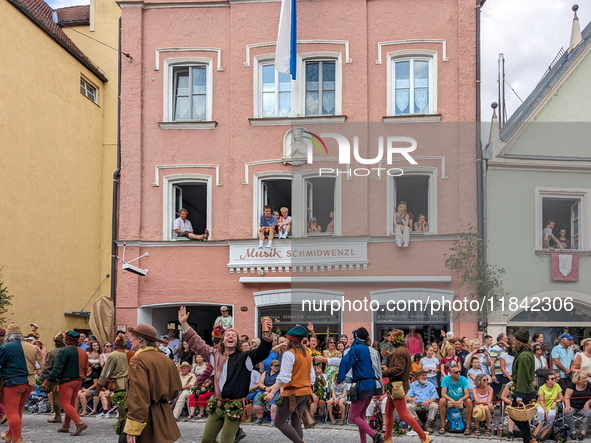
{"x": 400, "y": 405}
{"x": 67, "y": 399}
{"x": 202, "y": 400}
{"x": 15, "y": 398}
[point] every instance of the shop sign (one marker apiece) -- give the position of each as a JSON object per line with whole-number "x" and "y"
{"x": 296, "y": 255}
{"x": 383, "y": 315}
{"x": 296, "y": 315}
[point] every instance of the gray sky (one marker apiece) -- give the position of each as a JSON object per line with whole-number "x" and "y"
{"x": 529, "y": 32}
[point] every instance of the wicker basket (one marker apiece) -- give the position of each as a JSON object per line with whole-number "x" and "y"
{"x": 522, "y": 413}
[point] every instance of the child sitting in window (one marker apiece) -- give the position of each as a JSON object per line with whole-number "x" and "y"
{"x": 268, "y": 225}
{"x": 284, "y": 223}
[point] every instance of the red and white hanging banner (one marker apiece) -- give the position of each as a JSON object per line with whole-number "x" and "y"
{"x": 565, "y": 267}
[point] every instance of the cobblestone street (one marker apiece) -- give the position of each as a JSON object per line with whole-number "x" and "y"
{"x": 37, "y": 430}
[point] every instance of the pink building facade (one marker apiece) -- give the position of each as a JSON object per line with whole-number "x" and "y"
{"x": 209, "y": 125}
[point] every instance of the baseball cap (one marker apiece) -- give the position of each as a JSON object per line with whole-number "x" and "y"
{"x": 563, "y": 336}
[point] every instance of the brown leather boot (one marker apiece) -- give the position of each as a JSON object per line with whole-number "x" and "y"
{"x": 6, "y": 438}
{"x": 64, "y": 429}
{"x": 80, "y": 427}
{"x": 56, "y": 419}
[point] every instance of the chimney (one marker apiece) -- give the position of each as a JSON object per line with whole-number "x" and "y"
{"x": 575, "y": 36}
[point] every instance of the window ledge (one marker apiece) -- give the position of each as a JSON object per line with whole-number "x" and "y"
{"x": 187, "y": 125}
{"x": 564, "y": 251}
{"x": 417, "y": 118}
{"x": 291, "y": 121}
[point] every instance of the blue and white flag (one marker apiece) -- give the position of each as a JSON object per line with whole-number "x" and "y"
{"x": 286, "y": 52}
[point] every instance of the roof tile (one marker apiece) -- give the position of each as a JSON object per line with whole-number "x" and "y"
{"x": 42, "y": 15}
{"x": 74, "y": 15}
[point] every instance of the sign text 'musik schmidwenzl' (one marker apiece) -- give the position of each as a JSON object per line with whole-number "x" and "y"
{"x": 275, "y": 253}
{"x": 300, "y": 253}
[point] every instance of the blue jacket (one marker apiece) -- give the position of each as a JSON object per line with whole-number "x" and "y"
{"x": 367, "y": 371}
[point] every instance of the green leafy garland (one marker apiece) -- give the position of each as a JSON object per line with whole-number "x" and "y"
{"x": 197, "y": 388}
{"x": 120, "y": 398}
{"x": 397, "y": 431}
{"x": 279, "y": 400}
{"x": 399, "y": 340}
{"x": 319, "y": 388}
{"x": 261, "y": 399}
{"x": 211, "y": 405}
{"x": 44, "y": 389}
{"x": 388, "y": 387}
{"x": 233, "y": 409}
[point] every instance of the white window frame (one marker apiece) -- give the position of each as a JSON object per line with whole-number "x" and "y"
{"x": 298, "y": 90}
{"x": 87, "y": 84}
{"x": 259, "y": 62}
{"x": 259, "y": 178}
{"x": 298, "y": 190}
{"x": 582, "y": 194}
{"x": 404, "y": 55}
{"x": 168, "y": 200}
{"x": 302, "y": 198}
{"x": 168, "y": 85}
{"x": 432, "y": 198}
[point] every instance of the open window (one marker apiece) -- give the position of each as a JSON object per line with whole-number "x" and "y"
{"x": 276, "y": 193}
{"x": 414, "y": 190}
{"x": 565, "y": 212}
{"x": 192, "y": 197}
{"x": 319, "y": 202}
{"x": 189, "y": 191}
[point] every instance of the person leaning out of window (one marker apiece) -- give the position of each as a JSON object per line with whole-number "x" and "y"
{"x": 549, "y": 237}
{"x": 421, "y": 224}
{"x": 402, "y": 226}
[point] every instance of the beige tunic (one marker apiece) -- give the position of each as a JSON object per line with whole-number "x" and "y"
{"x": 153, "y": 382}
{"x": 115, "y": 369}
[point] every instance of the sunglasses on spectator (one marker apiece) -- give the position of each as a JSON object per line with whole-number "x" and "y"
{"x": 225, "y": 310}
{"x": 454, "y": 372}
{"x": 108, "y": 346}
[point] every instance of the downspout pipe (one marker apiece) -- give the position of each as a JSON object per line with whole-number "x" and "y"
{"x": 480, "y": 214}
{"x": 479, "y": 163}
{"x": 116, "y": 176}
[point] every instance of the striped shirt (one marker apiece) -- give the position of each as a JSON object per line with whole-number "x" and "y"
{"x": 496, "y": 352}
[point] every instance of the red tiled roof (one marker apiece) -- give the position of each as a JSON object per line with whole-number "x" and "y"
{"x": 40, "y": 13}
{"x": 74, "y": 15}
